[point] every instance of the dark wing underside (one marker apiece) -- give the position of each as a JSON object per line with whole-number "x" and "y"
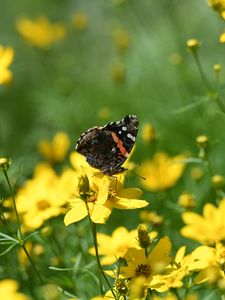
{"x": 101, "y": 150}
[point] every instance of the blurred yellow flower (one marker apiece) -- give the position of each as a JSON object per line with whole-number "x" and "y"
{"x": 218, "y": 181}
{"x": 148, "y": 133}
{"x": 207, "y": 229}
{"x": 122, "y": 39}
{"x": 151, "y": 217}
{"x": 162, "y": 172}
{"x": 167, "y": 297}
{"x": 118, "y": 72}
{"x": 113, "y": 247}
{"x": 218, "y": 5}
{"x": 150, "y": 267}
{"x": 98, "y": 194}
{"x": 8, "y": 290}
{"x": 217, "y": 67}
{"x": 187, "y": 201}
{"x": 80, "y": 20}
{"x": 193, "y": 44}
{"x": 55, "y": 150}
{"x": 44, "y": 196}
{"x": 104, "y": 113}
{"x": 40, "y": 33}
{"x": 196, "y": 173}
{"x": 6, "y": 58}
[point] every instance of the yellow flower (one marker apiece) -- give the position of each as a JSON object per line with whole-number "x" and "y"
{"x": 98, "y": 194}
{"x": 210, "y": 262}
{"x": 217, "y": 67}
{"x": 44, "y": 196}
{"x": 207, "y": 229}
{"x": 187, "y": 201}
{"x": 118, "y": 72}
{"x": 196, "y": 173}
{"x": 167, "y": 297}
{"x": 104, "y": 113}
{"x": 40, "y": 32}
{"x": 80, "y": 21}
{"x": 138, "y": 265}
{"x": 193, "y": 44}
{"x": 6, "y": 58}
{"x": 218, "y": 5}
{"x": 177, "y": 270}
{"x": 56, "y": 150}
{"x": 8, "y": 290}
{"x": 148, "y": 133}
{"x": 122, "y": 39}
{"x": 218, "y": 181}
{"x": 151, "y": 217}
{"x": 115, "y": 246}
{"x": 162, "y": 172}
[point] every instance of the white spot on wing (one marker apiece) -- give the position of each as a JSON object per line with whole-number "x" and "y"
{"x": 130, "y": 136}
{"x": 124, "y": 128}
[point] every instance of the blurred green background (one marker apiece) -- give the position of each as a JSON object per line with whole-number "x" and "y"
{"x": 65, "y": 87}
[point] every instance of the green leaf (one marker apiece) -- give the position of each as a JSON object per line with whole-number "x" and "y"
{"x": 30, "y": 235}
{"x": 60, "y": 269}
{"x": 7, "y": 237}
{"x": 8, "y": 249}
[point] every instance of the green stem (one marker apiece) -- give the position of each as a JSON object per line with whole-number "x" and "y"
{"x": 100, "y": 269}
{"x": 202, "y": 74}
{"x": 14, "y": 204}
{"x": 97, "y": 257}
{"x": 32, "y": 264}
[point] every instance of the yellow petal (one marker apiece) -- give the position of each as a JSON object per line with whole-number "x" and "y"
{"x": 124, "y": 203}
{"x": 131, "y": 193}
{"x": 76, "y": 214}
{"x": 6, "y": 57}
{"x": 103, "y": 191}
{"x": 101, "y": 213}
{"x": 160, "y": 255}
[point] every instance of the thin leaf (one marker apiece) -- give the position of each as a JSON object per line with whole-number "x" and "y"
{"x": 6, "y": 242}
{"x": 60, "y": 269}
{"x": 18, "y": 179}
{"x": 191, "y": 160}
{"x": 191, "y": 106}
{"x": 8, "y": 249}
{"x": 66, "y": 293}
{"x": 8, "y": 237}
{"x": 88, "y": 272}
{"x": 30, "y": 235}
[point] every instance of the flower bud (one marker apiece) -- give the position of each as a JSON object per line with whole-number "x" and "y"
{"x": 143, "y": 237}
{"x": 193, "y": 44}
{"x": 83, "y": 186}
{"x": 187, "y": 201}
{"x": 217, "y": 67}
{"x": 4, "y": 163}
{"x": 218, "y": 181}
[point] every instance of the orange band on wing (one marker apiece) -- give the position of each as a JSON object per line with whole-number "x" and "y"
{"x": 119, "y": 144}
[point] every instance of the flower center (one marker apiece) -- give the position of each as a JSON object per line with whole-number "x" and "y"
{"x": 143, "y": 270}
{"x": 43, "y": 204}
{"x": 92, "y": 197}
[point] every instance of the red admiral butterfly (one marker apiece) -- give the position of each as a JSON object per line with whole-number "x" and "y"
{"x": 106, "y": 148}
